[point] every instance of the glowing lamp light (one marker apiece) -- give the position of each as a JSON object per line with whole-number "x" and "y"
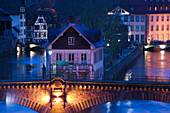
{"x": 50, "y": 52}
{"x": 162, "y": 46}
{"x": 110, "y": 13}
{"x": 57, "y": 100}
{"x": 108, "y": 44}
{"x": 69, "y": 98}
{"x": 46, "y": 98}
{"x": 57, "y": 94}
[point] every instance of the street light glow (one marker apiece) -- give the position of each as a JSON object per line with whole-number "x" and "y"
{"x": 50, "y": 52}
{"x": 108, "y": 44}
{"x": 118, "y": 40}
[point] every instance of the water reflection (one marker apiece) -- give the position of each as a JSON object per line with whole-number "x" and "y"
{"x": 151, "y": 66}
{"x": 22, "y": 65}
{"x": 130, "y": 106}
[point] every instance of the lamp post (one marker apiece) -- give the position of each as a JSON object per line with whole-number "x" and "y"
{"x": 50, "y": 53}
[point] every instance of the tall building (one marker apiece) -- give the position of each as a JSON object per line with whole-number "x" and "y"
{"x": 16, "y": 9}
{"x": 149, "y": 19}
{"x": 7, "y": 42}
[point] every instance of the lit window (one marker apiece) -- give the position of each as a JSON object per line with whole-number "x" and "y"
{"x": 166, "y": 8}
{"x": 162, "y": 37}
{"x": 155, "y": 8}
{"x": 83, "y": 58}
{"x": 167, "y": 36}
{"x": 157, "y": 36}
{"x": 71, "y": 40}
{"x": 161, "y": 8}
{"x": 58, "y": 56}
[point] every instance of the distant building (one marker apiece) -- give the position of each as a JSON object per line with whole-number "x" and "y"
{"x": 39, "y": 21}
{"x": 40, "y": 29}
{"x": 81, "y": 47}
{"x": 7, "y": 42}
{"x": 16, "y": 9}
{"x": 149, "y": 19}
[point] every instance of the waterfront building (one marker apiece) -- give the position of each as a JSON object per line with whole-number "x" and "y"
{"x": 149, "y": 19}
{"x": 16, "y": 9}
{"x": 39, "y": 21}
{"x": 7, "y": 42}
{"x": 81, "y": 47}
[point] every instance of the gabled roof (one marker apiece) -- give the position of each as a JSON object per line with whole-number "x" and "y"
{"x": 82, "y": 29}
{"x": 118, "y": 10}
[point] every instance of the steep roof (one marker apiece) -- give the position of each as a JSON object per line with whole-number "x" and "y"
{"x": 4, "y": 16}
{"x": 91, "y": 36}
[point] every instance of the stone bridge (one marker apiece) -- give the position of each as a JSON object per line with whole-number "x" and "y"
{"x": 71, "y": 96}
{"x": 157, "y": 46}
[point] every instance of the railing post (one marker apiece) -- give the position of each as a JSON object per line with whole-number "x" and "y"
{"x": 156, "y": 79}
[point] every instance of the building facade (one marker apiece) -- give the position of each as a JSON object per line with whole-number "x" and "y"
{"x": 7, "y": 42}
{"x": 17, "y": 11}
{"x": 40, "y": 29}
{"x": 81, "y": 47}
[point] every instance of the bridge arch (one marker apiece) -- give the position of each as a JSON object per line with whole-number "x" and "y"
{"x": 118, "y": 96}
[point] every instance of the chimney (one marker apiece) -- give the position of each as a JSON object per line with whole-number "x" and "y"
{"x": 67, "y": 21}
{"x": 71, "y": 19}
{"x": 78, "y": 21}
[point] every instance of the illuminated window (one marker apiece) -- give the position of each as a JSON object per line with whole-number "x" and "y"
{"x": 166, "y": 8}
{"x": 167, "y": 36}
{"x": 162, "y": 37}
{"x": 155, "y": 8}
{"x": 71, "y": 40}
{"x": 161, "y": 8}
{"x": 83, "y": 58}
{"x": 157, "y": 36}
{"x": 58, "y": 56}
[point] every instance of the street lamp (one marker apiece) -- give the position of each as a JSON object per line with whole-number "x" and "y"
{"x": 50, "y": 53}
{"x": 120, "y": 47}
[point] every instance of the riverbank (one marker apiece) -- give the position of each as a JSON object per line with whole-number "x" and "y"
{"x": 127, "y": 57}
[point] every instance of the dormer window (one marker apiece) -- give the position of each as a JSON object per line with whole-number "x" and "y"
{"x": 71, "y": 40}
{"x": 22, "y": 9}
{"x": 132, "y": 9}
{"x": 40, "y": 20}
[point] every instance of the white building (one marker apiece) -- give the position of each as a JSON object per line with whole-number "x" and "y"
{"x": 81, "y": 47}
{"x": 40, "y": 29}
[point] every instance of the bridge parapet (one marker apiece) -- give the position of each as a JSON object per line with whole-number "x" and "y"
{"x": 79, "y": 95}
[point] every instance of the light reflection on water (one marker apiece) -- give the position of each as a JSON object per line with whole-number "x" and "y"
{"x": 130, "y": 106}
{"x": 150, "y": 66}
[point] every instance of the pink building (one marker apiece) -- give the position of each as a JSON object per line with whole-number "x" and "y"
{"x": 79, "y": 46}
{"x": 158, "y": 27}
